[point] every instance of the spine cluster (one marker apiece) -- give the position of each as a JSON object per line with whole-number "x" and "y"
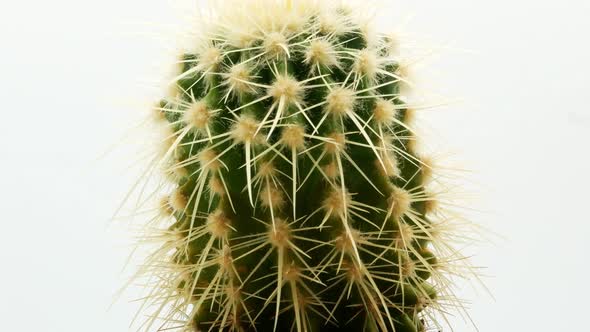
{"x": 297, "y": 201}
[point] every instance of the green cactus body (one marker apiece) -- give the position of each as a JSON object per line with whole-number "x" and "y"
{"x": 298, "y": 201}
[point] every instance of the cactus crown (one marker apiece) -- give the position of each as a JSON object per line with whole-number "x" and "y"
{"x": 297, "y": 201}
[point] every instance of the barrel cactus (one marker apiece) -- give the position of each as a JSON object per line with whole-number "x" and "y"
{"x": 294, "y": 198}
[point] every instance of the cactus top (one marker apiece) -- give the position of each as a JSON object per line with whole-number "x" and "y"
{"x": 297, "y": 200}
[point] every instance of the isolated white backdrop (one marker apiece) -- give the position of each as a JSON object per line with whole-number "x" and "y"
{"x": 76, "y": 75}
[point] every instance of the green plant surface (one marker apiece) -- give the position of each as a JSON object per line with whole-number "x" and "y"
{"x": 298, "y": 200}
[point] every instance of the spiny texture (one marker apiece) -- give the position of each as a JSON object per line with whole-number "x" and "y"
{"x": 298, "y": 201}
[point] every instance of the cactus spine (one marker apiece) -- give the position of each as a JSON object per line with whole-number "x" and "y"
{"x": 298, "y": 201}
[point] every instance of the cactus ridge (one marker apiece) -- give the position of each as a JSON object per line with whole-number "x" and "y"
{"x": 298, "y": 201}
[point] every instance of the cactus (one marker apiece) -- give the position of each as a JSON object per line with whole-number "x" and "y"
{"x": 298, "y": 201}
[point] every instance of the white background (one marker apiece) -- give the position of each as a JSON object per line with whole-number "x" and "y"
{"x": 76, "y": 75}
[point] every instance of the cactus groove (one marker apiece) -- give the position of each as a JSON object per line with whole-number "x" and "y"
{"x": 298, "y": 200}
